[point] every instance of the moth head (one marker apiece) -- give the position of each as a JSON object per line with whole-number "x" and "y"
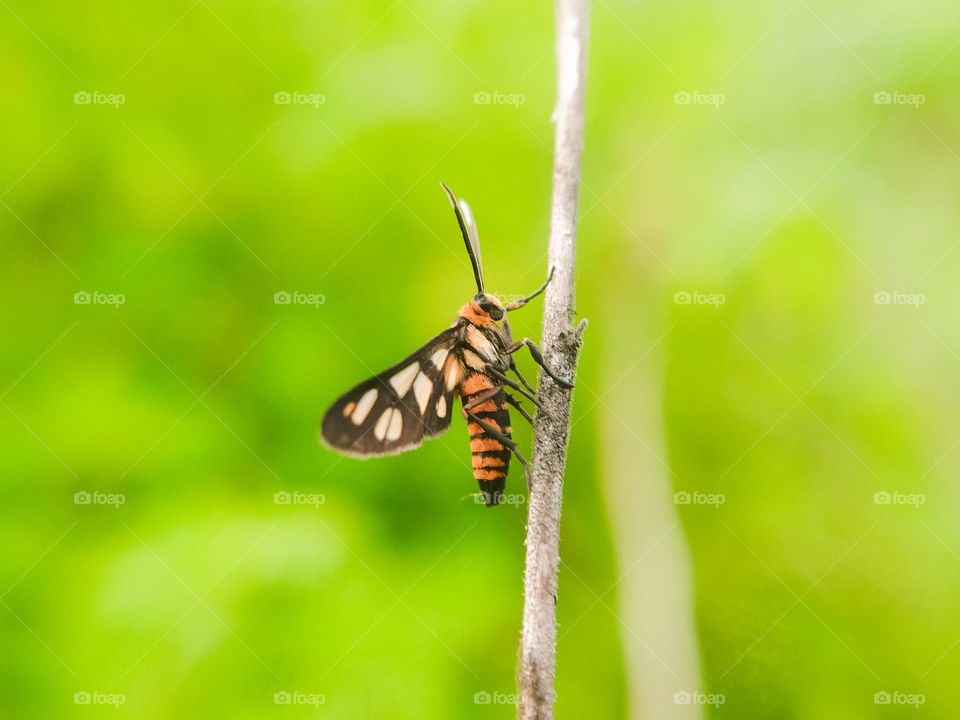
{"x": 489, "y": 305}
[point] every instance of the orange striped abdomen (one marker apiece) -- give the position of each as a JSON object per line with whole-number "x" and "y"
{"x": 491, "y": 458}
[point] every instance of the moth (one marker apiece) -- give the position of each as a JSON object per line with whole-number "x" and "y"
{"x": 413, "y": 400}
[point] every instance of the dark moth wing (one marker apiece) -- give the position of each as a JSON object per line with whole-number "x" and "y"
{"x": 399, "y": 408}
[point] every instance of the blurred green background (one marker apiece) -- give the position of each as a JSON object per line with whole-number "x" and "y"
{"x": 767, "y": 258}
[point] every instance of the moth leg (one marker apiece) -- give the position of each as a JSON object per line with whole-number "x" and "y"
{"x": 481, "y": 398}
{"x": 517, "y": 304}
{"x": 489, "y": 394}
{"x": 516, "y": 403}
{"x": 521, "y": 378}
{"x": 538, "y": 359}
{"x": 507, "y": 442}
{"x": 497, "y": 375}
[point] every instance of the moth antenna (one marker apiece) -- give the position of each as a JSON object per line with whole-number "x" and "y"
{"x": 473, "y": 252}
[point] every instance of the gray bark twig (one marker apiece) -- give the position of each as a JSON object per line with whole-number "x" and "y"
{"x": 561, "y": 345}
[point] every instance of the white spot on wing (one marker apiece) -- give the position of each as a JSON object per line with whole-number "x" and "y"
{"x": 480, "y": 343}
{"x": 452, "y": 373}
{"x": 396, "y": 425}
{"x": 380, "y": 429}
{"x": 422, "y": 389}
{"x": 438, "y": 357}
{"x": 442, "y": 407}
{"x": 363, "y": 407}
{"x": 404, "y": 379}
{"x": 473, "y": 360}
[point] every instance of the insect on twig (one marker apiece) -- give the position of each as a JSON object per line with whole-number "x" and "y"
{"x": 412, "y": 401}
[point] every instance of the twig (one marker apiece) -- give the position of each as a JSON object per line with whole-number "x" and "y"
{"x": 561, "y": 345}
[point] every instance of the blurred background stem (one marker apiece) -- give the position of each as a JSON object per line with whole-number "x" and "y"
{"x": 652, "y": 595}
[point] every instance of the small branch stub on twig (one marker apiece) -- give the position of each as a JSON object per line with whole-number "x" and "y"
{"x": 561, "y": 345}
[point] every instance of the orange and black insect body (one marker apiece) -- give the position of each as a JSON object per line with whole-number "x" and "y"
{"x": 412, "y": 401}
{"x": 487, "y": 404}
